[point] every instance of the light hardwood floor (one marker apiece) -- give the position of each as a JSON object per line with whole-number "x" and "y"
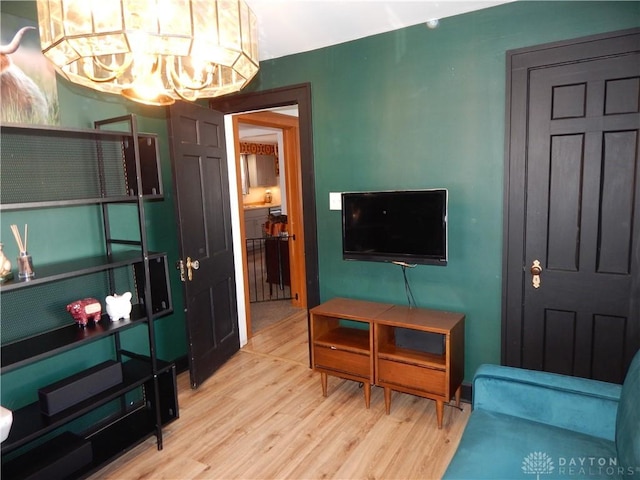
{"x": 263, "y": 416}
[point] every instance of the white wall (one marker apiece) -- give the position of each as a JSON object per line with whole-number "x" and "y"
{"x": 235, "y": 226}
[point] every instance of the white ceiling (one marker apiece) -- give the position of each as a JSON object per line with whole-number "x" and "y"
{"x": 287, "y": 27}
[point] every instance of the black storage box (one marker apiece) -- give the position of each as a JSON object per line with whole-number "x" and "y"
{"x": 69, "y": 391}
{"x": 55, "y": 459}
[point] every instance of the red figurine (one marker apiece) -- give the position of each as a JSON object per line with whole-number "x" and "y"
{"x": 85, "y": 309}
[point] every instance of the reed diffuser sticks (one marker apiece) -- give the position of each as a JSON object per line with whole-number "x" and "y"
{"x": 22, "y": 247}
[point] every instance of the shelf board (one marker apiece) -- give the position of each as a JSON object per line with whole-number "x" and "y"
{"x": 76, "y": 202}
{"x": 96, "y": 166}
{"x": 21, "y": 352}
{"x": 348, "y": 309}
{"x": 73, "y": 268}
{"x": 433, "y": 321}
{"x": 121, "y": 436}
{"x": 344, "y": 338}
{"x": 125, "y": 432}
{"x": 55, "y": 130}
{"x": 414, "y": 357}
{"x": 29, "y": 423}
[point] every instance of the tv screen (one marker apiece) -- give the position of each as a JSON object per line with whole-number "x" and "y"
{"x": 407, "y": 226}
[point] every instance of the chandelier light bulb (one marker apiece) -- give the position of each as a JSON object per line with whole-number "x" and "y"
{"x": 179, "y": 49}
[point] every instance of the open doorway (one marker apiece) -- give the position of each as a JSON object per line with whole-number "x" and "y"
{"x": 270, "y": 197}
{"x": 299, "y": 95}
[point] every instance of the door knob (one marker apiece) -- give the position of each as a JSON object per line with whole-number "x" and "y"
{"x": 536, "y": 270}
{"x": 191, "y": 266}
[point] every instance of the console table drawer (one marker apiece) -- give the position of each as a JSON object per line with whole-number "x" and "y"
{"x": 411, "y": 376}
{"x": 342, "y": 361}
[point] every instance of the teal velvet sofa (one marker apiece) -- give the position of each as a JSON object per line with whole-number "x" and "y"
{"x": 541, "y": 426}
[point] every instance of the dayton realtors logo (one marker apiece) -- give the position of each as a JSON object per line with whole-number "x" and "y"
{"x": 539, "y": 463}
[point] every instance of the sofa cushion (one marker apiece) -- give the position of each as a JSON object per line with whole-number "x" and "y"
{"x": 628, "y": 419}
{"x": 499, "y": 446}
{"x": 578, "y": 404}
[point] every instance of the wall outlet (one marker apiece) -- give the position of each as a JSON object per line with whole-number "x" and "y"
{"x": 335, "y": 200}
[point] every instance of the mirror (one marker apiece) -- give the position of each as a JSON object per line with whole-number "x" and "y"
{"x": 261, "y": 170}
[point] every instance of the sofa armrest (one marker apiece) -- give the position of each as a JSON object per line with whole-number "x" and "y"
{"x": 577, "y": 404}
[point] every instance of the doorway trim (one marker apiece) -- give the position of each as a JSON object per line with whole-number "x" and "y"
{"x": 299, "y": 95}
{"x": 288, "y": 126}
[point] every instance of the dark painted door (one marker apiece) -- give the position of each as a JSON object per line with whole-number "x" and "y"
{"x": 201, "y": 186}
{"x": 581, "y": 218}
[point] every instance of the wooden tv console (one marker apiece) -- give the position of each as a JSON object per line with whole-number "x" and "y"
{"x": 411, "y": 350}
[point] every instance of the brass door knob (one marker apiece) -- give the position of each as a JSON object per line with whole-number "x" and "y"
{"x": 191, "y": 266}
{"x": 536, "y": 270}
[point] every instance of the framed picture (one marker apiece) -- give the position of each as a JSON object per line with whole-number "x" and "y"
{"x": 27, "y": 79}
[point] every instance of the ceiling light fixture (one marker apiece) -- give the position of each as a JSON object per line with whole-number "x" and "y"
{"x": 152, "y": 51}
{"x": 433, "y": 23}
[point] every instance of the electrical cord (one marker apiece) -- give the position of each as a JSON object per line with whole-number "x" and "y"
{"x": 407, "y": 286}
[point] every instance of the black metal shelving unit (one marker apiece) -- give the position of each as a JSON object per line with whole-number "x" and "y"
{"x": 104, "y": 167}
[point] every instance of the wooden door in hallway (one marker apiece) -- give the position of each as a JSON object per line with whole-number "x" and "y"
{"x": 201, "y": 186}
{"x": 572, "y": 283}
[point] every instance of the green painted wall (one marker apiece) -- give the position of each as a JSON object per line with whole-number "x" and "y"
{"x": 414, "y": 108}
{"x": 421, "y": 108}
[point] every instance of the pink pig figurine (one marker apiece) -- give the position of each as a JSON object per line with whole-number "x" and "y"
{"x": 85, "y": 309}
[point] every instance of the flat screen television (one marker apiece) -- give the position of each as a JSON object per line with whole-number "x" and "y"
{"x": 408, "y": 226}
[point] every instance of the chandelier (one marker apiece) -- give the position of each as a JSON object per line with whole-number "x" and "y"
{"x": 152, "y": 51}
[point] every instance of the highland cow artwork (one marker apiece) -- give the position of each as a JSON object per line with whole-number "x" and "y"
{"x": 28, "y": 92}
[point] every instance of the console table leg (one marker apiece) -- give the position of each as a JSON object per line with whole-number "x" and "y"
{"x": 323, "y": 381}
{"x": 367, "y": 394}
{"x": 387, "y": 400}
{"x": 439, "y": 412}
{"x": 458, "y": 392}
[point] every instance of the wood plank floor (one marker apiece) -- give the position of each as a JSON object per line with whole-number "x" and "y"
{"x": 263, "y": 416}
